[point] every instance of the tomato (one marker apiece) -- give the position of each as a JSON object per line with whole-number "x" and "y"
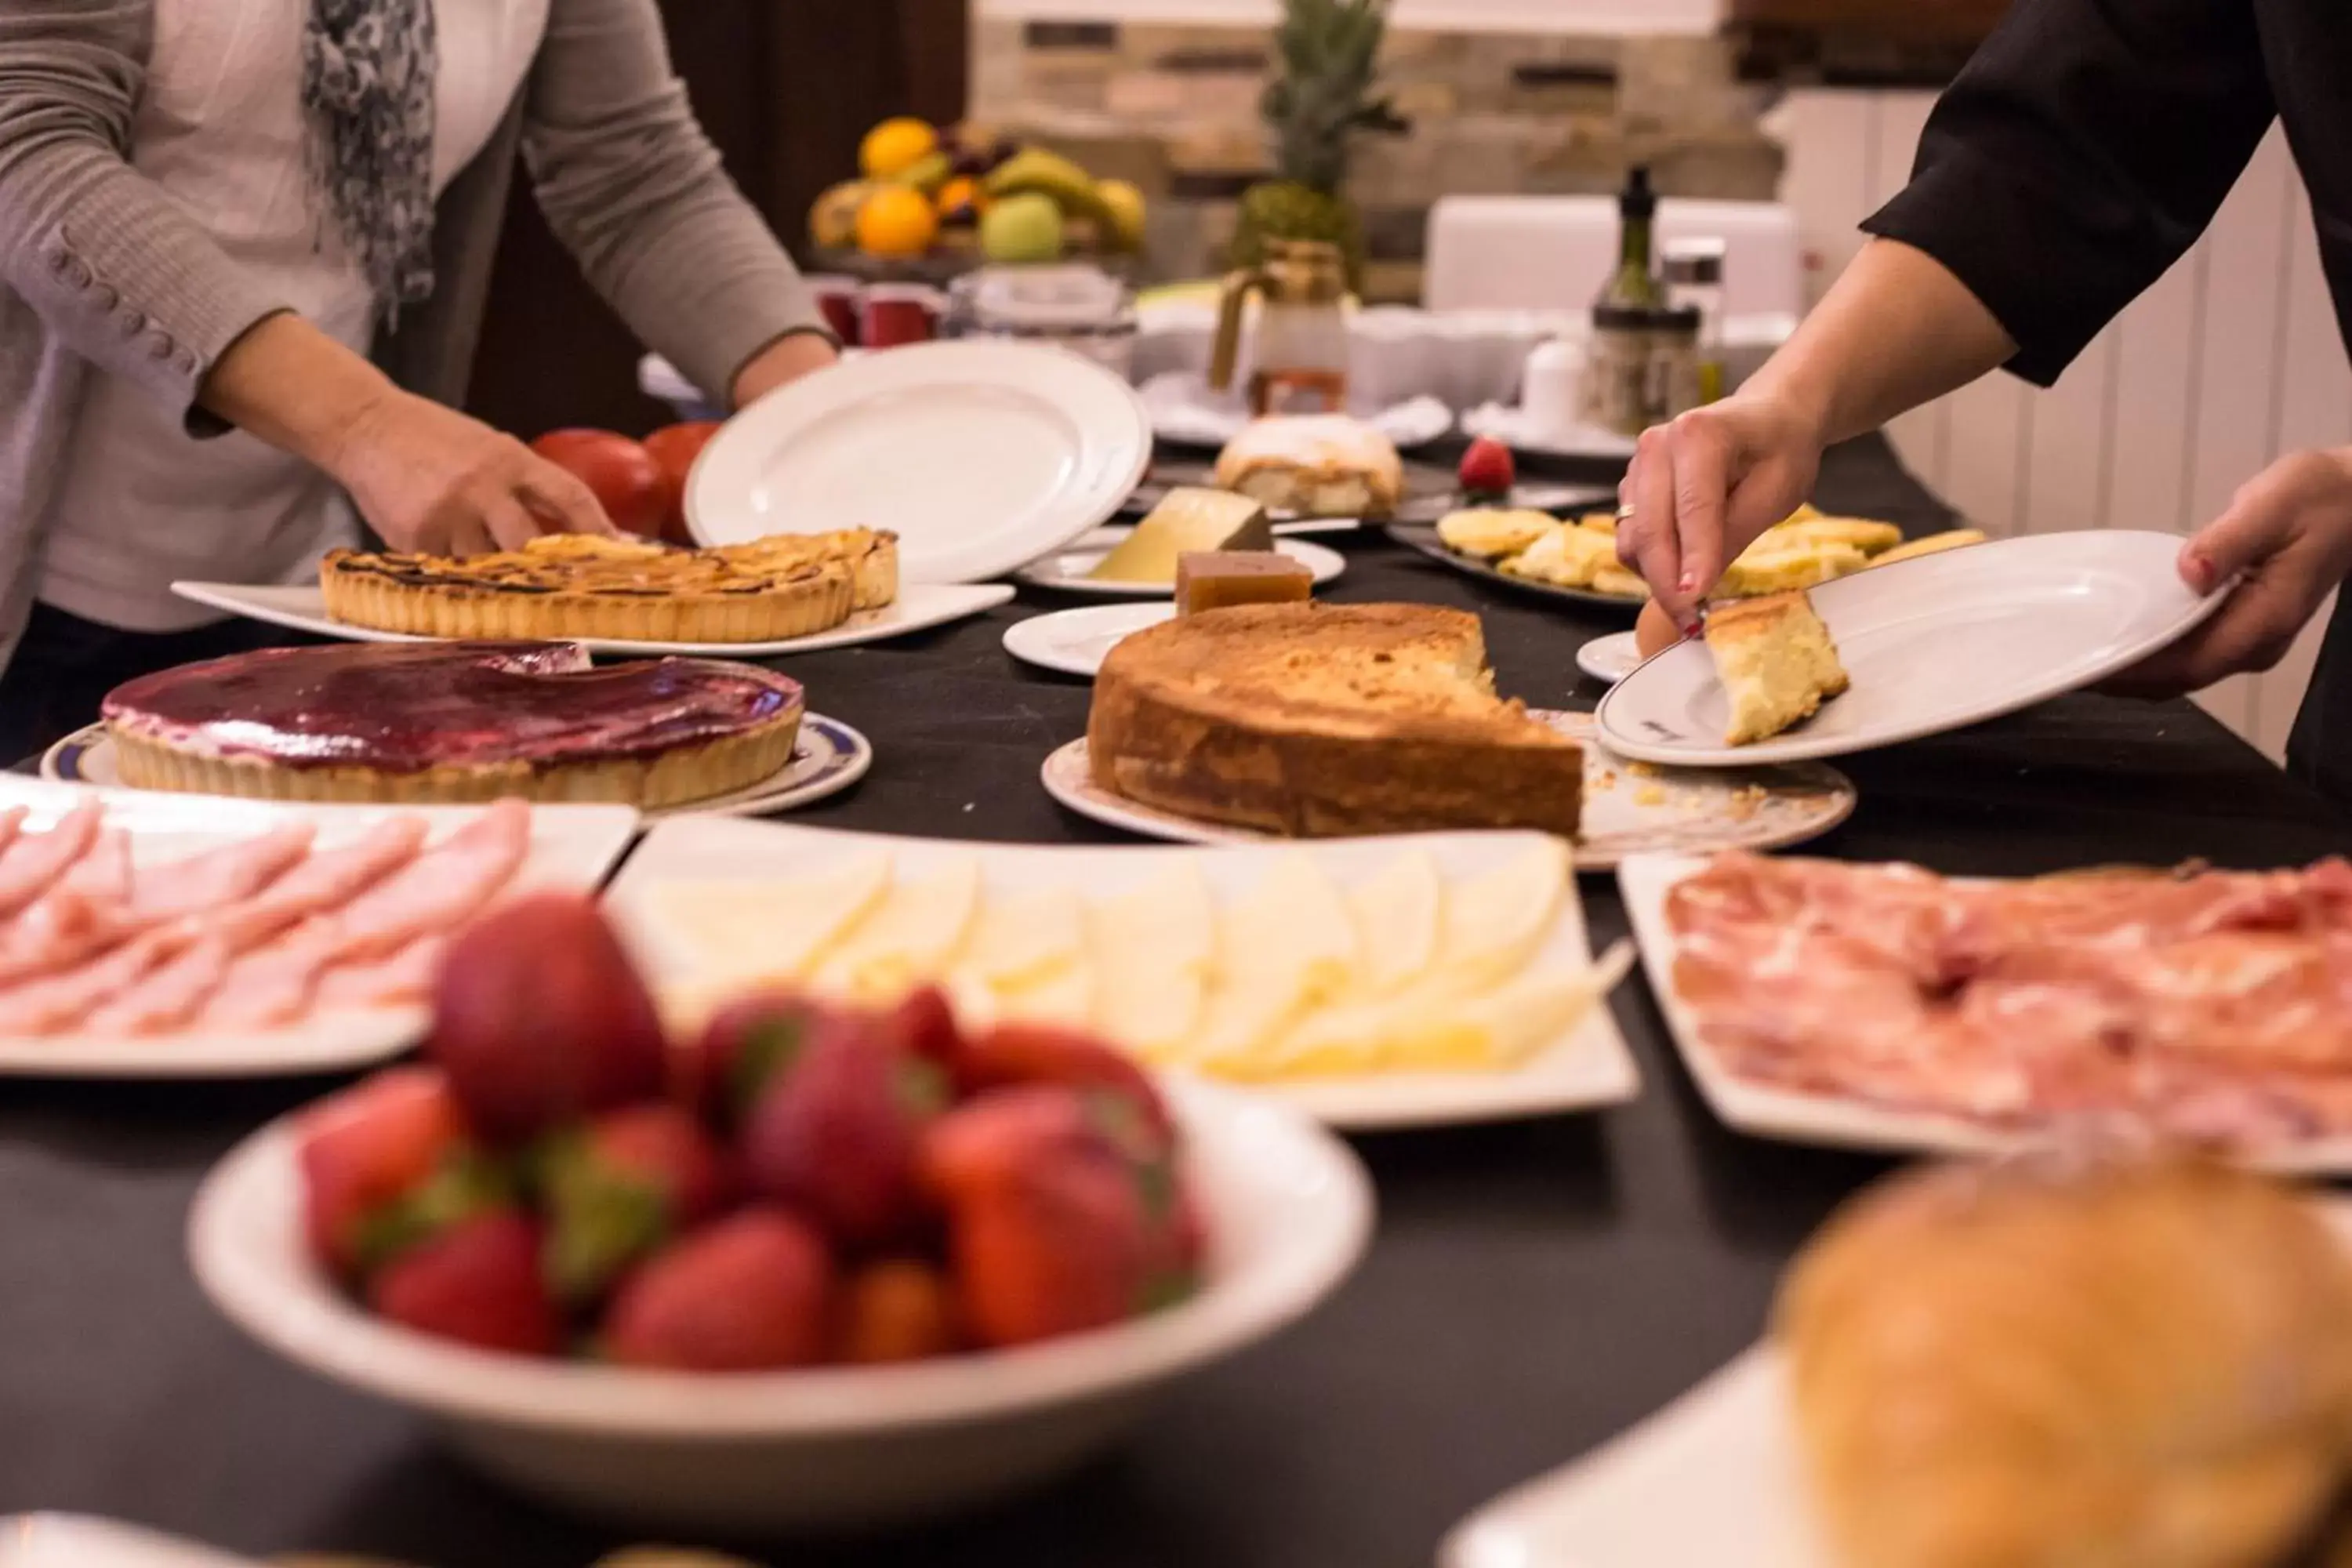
{"x": 627, "y": 481}
{"x": 674, "y": 448}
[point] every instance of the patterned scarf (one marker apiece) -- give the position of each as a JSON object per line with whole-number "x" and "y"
{"x": 368, "y": 70}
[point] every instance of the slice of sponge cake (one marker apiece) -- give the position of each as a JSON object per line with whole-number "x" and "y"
{"x": 1776, "y": 662}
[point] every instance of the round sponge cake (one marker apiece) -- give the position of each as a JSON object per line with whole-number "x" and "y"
{"x": 1315, "y": 720}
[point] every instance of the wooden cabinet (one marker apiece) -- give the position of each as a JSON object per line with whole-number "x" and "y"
{"x": 786, "y": 88}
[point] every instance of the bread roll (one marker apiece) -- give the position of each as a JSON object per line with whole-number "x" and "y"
{"x": 2135, "y": 1364}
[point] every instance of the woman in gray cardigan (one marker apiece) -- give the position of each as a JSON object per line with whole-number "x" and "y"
{"x": 243, "y": 251}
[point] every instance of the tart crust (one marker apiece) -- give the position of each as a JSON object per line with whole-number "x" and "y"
{"x": 569, "y": 586}
{"x": 674, "y": 777}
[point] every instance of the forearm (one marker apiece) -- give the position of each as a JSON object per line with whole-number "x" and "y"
{"x": 786, "y": 359}
{"x": 288, "y": 383}
{"x": 1896, "y": 330}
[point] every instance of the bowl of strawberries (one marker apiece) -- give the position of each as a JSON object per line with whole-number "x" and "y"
{"x": 807, "y": 1266}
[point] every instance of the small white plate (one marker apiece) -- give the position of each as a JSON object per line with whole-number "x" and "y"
{"x": 829, "y": 757}
{"x": 1513, "y": 429}
{"x": 1591, "y": 1068}
{"x": 1626, "y": 812}
{"x": 1833, "y": 1120}
{"x": 1933, "y": 644}
{"x": 302, "y": 607}
{"x": 1066, "y": 572}
{"x": 572, "y": 846}
{"x": 979, "y": 457}
{"x": 1076, "y": 642}
{"x": 1611, "y": 658}
{"x": 70, "y": 1541}
{"x": 1184, "y": 411}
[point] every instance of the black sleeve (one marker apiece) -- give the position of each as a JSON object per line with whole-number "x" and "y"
{"x": 2079, "y": 155}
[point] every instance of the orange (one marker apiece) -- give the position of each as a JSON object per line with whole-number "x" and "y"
{"x": 895, "y": 146}
{"x": 962, "y": 198}
{"x": 897, "y": 221}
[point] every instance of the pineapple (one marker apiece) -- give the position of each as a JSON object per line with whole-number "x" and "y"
{"x": 1316, "y": 107}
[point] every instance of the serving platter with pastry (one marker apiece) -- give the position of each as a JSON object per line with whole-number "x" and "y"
{"x": 1253, "y": 721}
{"x": 1575, "y": 559}
{"x": 1379, "y": 982}
{"x": 458, "y": 723}
{"x": 779, "y": 595}
{"x": 1887, "y": 1007}
{"x": 146, "y": 934}
{"x": 2101, "y": 1358}
{"x": 1929, "y": 644}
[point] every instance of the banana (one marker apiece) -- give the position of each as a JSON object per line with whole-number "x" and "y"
{"x": 1051, "y": 175}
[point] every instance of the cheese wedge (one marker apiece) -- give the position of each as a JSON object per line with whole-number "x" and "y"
{"x": 1152, "y": 950}
{"x": 742, "y": 932}
{"x": 912, "y": 937}
{"x": 1496, "y": 923}
{"x": 1188, "y": 520}
{"x": 1288, "y": 947}
{"x": 1399, "y": 913}
{"x": 1028, "y": 959}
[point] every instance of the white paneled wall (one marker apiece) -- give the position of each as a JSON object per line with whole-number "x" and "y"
{"x": 2231, "y": 360}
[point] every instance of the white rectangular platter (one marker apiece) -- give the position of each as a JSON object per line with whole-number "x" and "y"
{"x": 1828, "y": 1120}
{"x": 920, "y": 606}
{"x": 1590, "y": 1067}
{"x": 572, "y": 846}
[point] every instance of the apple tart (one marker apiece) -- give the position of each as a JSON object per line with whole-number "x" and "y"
{"x": 575, "y": 586}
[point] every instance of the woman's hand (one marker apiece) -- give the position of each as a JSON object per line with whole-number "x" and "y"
{"x": 1703, "y": 487}
{"x": 2287, "y": 537}
{"x": 433, "y": 480}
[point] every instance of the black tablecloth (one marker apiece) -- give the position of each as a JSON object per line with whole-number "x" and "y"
{"x": 1534, "y": 1288}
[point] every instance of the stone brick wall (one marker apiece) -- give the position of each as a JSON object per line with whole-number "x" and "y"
{"x": 1175, "y": 110}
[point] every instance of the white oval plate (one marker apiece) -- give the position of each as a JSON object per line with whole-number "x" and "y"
{"x": 918, "y": 607}
{"x": 1076, "y": 642}
{"x": 1067, "y": 573}
{"x": 1626, "y": 812}
{"x": 1611, "y": 658}
{"x": 1934, "y": 644}
{"x": 979, "y": 457}
{"x": 829, "y": 757}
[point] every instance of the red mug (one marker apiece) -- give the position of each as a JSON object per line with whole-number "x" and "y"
{"x": 896, "y": 314}
{"x": 839, "y": 299}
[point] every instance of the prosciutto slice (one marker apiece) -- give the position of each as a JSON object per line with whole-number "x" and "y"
{"x": 36, "y": 861}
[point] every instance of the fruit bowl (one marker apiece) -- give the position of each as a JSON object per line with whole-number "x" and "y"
{"x": 1288, "y": 1207}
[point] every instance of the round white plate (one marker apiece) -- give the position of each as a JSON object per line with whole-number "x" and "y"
{"x": 1186, "y": 412}
{"x": 1076, "y": 642}
{"x": 1065, "y": 572}
{"x": 1611, "y": 658}
{"x": 979, "y": 457}
{"x": 302, "y": 607}
{"x": 1513, "y": 429}
{"x": 1933, "y": 644}
{"x": 1628, "y": 809}
{"x": 829, "y": 757}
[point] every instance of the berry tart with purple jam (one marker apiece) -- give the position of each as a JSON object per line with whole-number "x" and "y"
{"x": 454, "y": 722}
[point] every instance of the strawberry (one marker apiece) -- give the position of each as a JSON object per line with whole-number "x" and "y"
{"x": 837, "y": 1136}
{"x": 365, "y": 1148}
{"x": 1488, "y": 471}
{"x": 743, "y": 1049}
{"x": 624, "y": 1184}
{"x": 927, "y": 1024}
{"x": 477, "y": 1282}
{"x": 897, "y": 1309}
{"x": 1064, "y": 1212}
{"x": 539, "y": 1018}
{"x": 1013, "y": 1054}
{"x": 750, "y": 1293}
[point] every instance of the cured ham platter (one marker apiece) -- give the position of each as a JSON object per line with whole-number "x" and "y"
{"x": 1888, "y": 1008}
{"x": 149, "y": 934}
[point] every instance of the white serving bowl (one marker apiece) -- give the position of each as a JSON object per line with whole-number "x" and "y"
{"x": 1289, "y": 1208}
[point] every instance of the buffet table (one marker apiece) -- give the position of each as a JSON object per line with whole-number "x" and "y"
{"x": 1534, "y": 1288}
